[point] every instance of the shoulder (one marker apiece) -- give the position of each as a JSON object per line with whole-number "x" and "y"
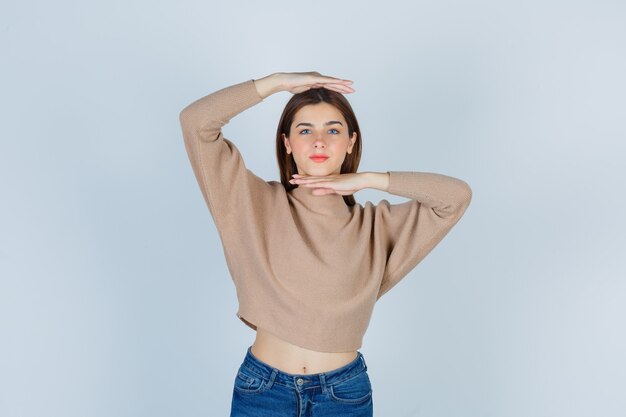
{"x": 276, "y": 189}
{"x": 382, "y": 205}
{"x": 370, "y": 209}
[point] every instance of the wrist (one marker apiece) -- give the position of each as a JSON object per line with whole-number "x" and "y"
{"x": 268, "y": 85}
{"x": 377, "y": 180}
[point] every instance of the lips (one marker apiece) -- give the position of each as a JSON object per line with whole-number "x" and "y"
{"x": 319, "y": 158}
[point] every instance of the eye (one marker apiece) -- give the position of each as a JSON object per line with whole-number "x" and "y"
{"x": 304, "y": 130}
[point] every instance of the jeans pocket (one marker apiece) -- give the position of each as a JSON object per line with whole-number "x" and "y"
{"x": 247, "y": 382}
{"x": 354, "y": 390}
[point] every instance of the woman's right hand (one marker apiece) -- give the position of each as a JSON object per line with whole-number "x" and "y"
{"x": 297, "y": 82}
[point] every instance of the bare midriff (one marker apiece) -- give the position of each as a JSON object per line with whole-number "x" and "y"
{"x": 293, "y": 359}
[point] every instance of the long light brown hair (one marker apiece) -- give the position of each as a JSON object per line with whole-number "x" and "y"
{"x": 286, "y": 163}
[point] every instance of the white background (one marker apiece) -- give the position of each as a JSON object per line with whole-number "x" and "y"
{"x": 115, "y": 299}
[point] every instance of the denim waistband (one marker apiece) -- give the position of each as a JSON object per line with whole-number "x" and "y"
{"x": 301, "y": 381}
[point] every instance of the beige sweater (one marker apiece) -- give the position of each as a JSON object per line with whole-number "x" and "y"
{"x": 309, "y": 268}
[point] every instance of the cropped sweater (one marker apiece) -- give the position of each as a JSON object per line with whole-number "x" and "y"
{"x": 310, "y": 268}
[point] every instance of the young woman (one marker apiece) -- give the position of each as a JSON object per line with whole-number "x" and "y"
{"x": 307, "y": 261}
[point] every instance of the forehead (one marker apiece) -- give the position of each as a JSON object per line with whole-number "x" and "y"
{"x": 318, "y": 114}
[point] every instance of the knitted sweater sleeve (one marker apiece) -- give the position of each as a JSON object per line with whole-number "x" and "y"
{"x": 410, "y": 230}
{"x": 217, "y": 164}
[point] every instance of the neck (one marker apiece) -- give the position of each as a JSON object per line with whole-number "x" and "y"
{"x": 332, "y": 204}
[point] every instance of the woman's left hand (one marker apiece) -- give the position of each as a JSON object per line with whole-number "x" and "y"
{"x": 343, "y": 184}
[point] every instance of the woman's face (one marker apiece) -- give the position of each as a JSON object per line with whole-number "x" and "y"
{"x": 319, "y": 129}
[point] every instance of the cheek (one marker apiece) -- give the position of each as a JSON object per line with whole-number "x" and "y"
{"x": 339, "y": 147}
{"x": 298, "y": 147}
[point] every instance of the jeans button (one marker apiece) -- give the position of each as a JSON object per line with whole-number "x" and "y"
{"x": 300, "y": 381}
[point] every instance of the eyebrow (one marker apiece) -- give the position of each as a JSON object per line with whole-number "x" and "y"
{"x": 332, "y": 122}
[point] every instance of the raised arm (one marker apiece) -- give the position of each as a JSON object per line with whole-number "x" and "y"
{"x": 444, "y": 194}
{"x": 231, "y": 190}
{"x": 410, "y": 230}
{"x": 226, "y": 184}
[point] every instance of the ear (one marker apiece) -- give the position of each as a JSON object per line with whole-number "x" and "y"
{"x": 287, "y": 145}
{"x": 352, "y": 141}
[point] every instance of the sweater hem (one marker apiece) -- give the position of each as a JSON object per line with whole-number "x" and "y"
{"x": 252, "y": 321}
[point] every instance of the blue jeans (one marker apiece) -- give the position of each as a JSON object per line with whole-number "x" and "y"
{"x": 261, "y": 390}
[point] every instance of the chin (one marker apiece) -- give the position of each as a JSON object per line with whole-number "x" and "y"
{"x": 320, "y": 172}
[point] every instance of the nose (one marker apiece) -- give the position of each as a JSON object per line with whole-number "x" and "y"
{"x": 319, "y": 142}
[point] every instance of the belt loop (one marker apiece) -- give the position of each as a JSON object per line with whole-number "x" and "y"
{"x": 363, "y": 361}
{"x": 323, "y": 383}
{"x": 270, "y": 382}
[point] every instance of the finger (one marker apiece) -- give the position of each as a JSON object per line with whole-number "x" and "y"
{"x": 327, "y": 78}
{"x": 313, "y": 184}
{"x": 332, "y": 80}
{"x": 332, "y": 84}
{"x": 303, "y": 181}
{"x": 338, "y": 86}
{"x": 335, "y": 84}
{"x": 319, "y": 185}
{"x": 313, "y": 181}
{"x": 339, "y": 90}
{"x": 310, "y": 181}
{"x": 309, "y": 177}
